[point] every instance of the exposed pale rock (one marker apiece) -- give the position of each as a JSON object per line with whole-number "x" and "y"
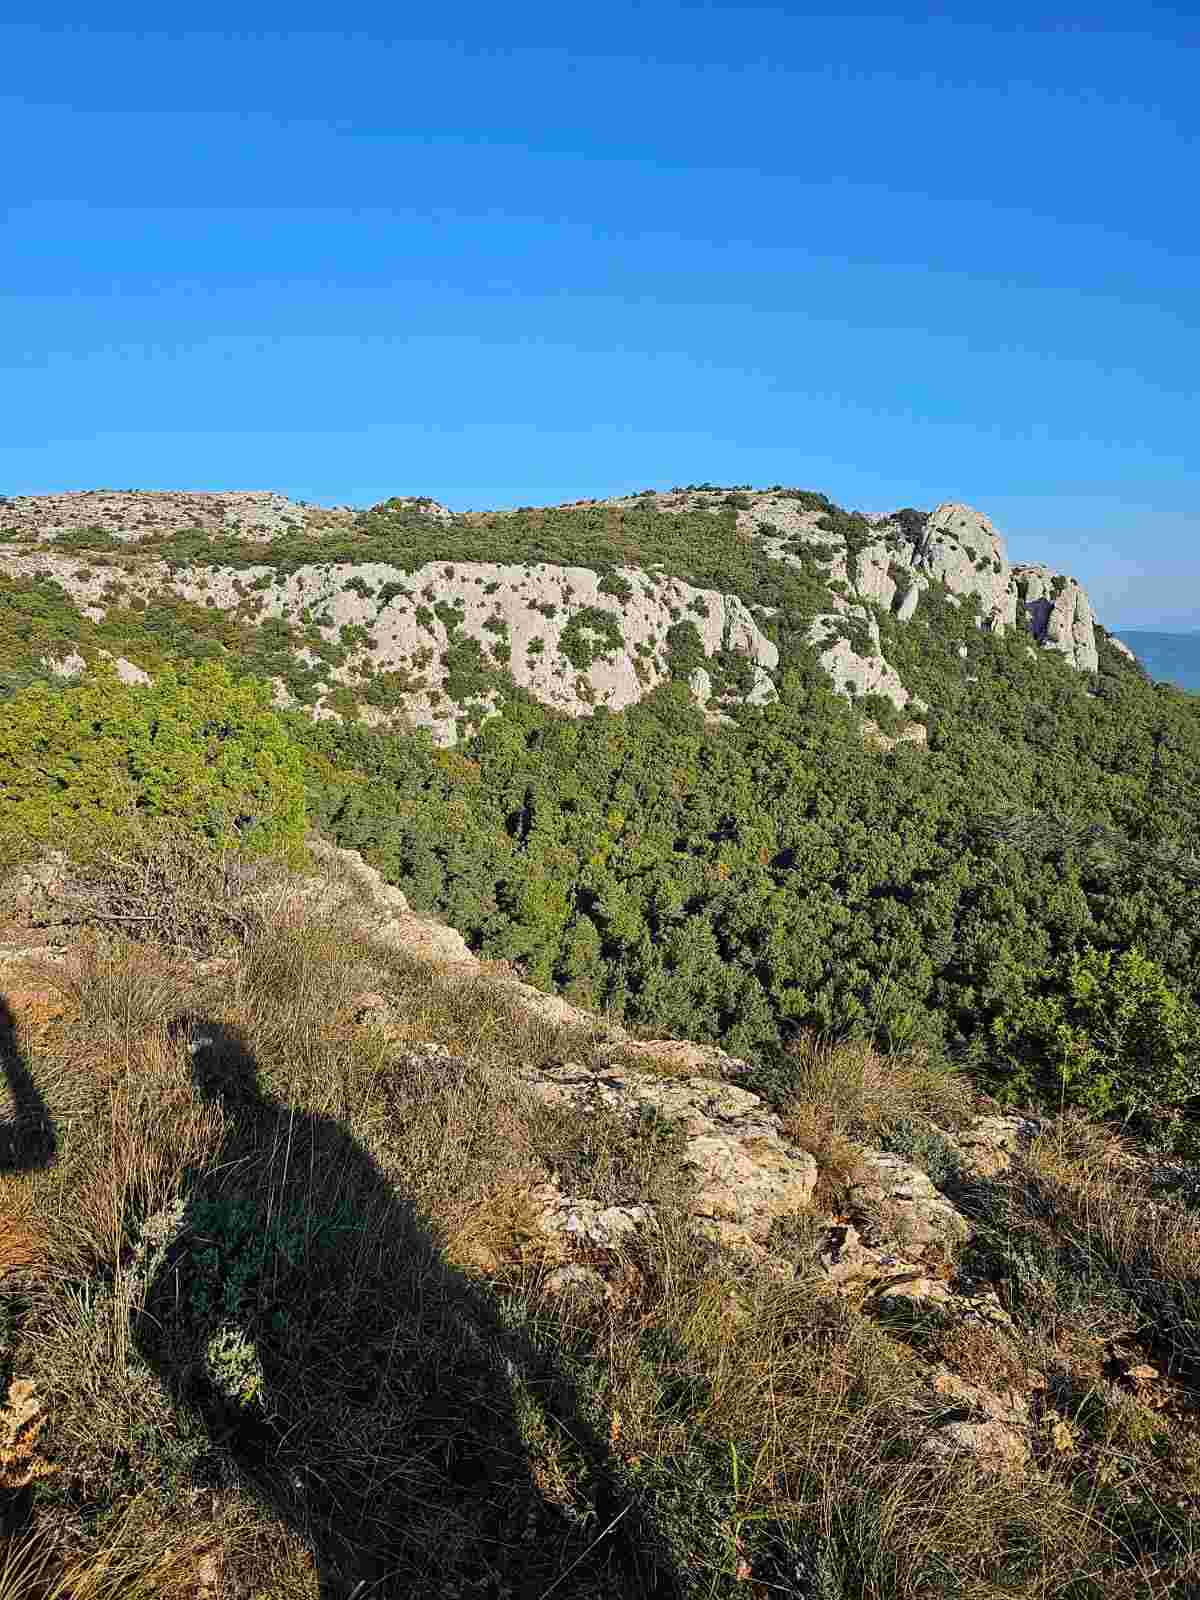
{"x": 890, "y": 1286}
{"x": 32, "y": 893}
{"x": 988, "y": 1145}
{"x": 700, "y": 683}
{"x": 738, "y": 1241}
{"x": 907, "y": 608}
{"x": 967, "y": 1420}
{"x": 537, "y": 620}
{"x": 679, "y": 1056}
{"x": 128, "y": 672}
{"x": 585, "y": 1222}
{"x": 911, "y": 733}
{"x": 69, "y": 666}
{"x": 579, "y": 1284}
{"x": 853, "y": 672}
{"x": 346, "y": 886}
{"x": 1119, "y": 644}
{"x": 848, "y": 1264}
{"x": 530, "y": 619}
{"x": 964, "y": 551}
{"x": 747, "y": 1174}
{"x": 1060, "y": 615}
{"x": 133, "y": 514}
{"x": 957, "y": 546}
{"x": 559, "y": 1013}
{"x": 911, "y": 1209}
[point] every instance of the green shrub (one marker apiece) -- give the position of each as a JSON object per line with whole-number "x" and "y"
{"x": 589, "y": 635}
{"x": 196, "y": 745}
{"x": 685, "y": 649}
{"x": 1112, "y": 1036}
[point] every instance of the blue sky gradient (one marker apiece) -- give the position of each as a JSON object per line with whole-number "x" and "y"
{"x": 506, "y": 255}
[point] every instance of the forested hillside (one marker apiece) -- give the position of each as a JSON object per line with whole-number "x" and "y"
{"x": 743, "y": 849}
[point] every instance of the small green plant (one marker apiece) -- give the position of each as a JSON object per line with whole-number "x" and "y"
{"x": 590, "y": 635}
{"x": 612, "y": 583}
{"x": 685, "y": 649}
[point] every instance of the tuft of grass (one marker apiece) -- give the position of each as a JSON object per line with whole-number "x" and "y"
{"x": 859, "y": 1090}
{"x": 117, "y": 988}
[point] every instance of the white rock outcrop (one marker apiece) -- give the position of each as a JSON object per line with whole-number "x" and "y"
{"x": 437, "y": 645}
{"x": 1060, "y": 615}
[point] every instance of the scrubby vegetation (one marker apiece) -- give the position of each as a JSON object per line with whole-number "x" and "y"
{"x": 241, "y": 1229}
{"x": 780, "y": 876}
{"x": 774, "y": 876}
{"x": 197, "y": 745}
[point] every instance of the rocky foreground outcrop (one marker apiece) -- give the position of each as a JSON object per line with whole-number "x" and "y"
{"x": 435, "y": 642}
{"x": 887, "y": 1251}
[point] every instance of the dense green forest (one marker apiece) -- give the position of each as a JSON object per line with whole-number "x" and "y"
{"x": 785, "y": 874}
{"x": 1022, "y": 897}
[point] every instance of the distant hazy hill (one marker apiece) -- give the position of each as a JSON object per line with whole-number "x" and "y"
{"x": 1170, "y": 657}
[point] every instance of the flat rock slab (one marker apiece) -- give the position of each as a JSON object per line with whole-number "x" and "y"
{"x": 910, "y": 1208}
{"x": 747, "y": 1174}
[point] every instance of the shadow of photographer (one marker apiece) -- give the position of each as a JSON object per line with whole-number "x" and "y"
{"x": 371, "y": 1393}
{"x": 27, "y": 1138}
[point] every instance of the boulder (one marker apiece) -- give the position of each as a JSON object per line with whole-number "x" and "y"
{"x": 746, "y": 1173}
{"x": 904, "y": 1203}
{"x": 966, "y": 1419}
{"x": 987, "y": 1146}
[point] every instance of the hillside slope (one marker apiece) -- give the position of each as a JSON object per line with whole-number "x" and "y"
{"x": 279, "y": 1320}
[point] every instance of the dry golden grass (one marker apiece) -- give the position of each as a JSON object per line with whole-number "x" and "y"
{"x": 837, "y": 1155}
{"x": 365, "y": 1400}
{"x": 855, "y": 1088}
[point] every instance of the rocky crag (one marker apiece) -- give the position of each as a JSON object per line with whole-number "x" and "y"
{"x": 440, "y": 641}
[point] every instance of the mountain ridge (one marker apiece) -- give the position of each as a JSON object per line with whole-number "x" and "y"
{"x": 588, "y": 604}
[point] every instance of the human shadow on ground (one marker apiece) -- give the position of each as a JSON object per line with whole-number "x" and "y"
{"x": 368, "y": 1391}
{"x": 27, "y": 1141}
{"x": 27, "y": 1137}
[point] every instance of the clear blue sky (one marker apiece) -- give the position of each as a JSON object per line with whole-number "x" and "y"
{"x": 515, "y": 253}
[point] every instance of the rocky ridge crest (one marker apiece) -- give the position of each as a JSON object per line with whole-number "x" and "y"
{"x": 573, "y": 637}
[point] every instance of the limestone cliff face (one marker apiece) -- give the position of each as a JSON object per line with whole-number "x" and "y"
{"x": 432, "y": 642}
{"x": 432, "y": 636}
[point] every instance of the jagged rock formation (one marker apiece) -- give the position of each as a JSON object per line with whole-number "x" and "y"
{"x": 954, "y": 545}
{"x": 1060, "y": 615}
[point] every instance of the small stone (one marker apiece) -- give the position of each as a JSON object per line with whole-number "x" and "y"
{"x": 583, "y": 1285}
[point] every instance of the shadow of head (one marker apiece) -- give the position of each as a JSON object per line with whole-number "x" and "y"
{"x": 27, "y": 1138}
{"x": 222, "y": 1063}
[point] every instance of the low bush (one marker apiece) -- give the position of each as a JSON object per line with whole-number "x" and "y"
{"x": 1110, "y": 1034}
{"x": 196, "y": 745}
